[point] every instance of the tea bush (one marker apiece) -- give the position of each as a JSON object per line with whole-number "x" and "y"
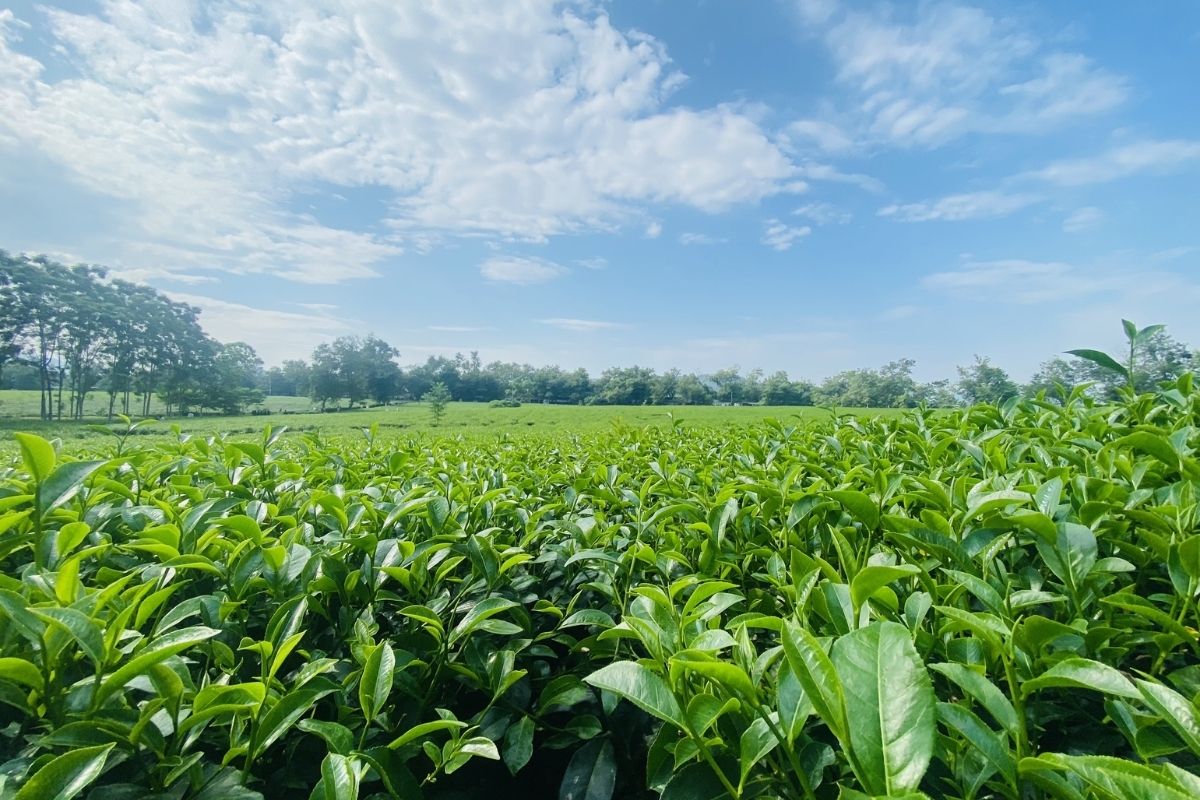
{"x": 992, "y": 603}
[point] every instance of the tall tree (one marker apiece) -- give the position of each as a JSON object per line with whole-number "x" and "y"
{"x": 984, "y": 382}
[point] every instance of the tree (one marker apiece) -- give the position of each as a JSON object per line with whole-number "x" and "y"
{"x": 729, "y": 385}
{"x": 625, "y": 386}
{"x": 779, "y": 390}
{"x": 438, "y": 397}
{"x": 233, "y": 384}
{"x": 982, "y": 382}
{"x": 380, "y": 371}
{"x": 891, "y": 386}
{"x": 691, "y": 391}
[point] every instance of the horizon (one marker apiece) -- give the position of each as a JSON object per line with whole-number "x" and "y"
{"x": 790, "y": 186}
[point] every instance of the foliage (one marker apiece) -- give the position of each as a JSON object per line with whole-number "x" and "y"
{"x": 437, "y": 398}
{"x": 891, "y": 386}
{"x": 983, "y": 382}
{"x": 78, "y": 331}
{"x": 997, "y": 602}
{"x": 1155, "y": 357}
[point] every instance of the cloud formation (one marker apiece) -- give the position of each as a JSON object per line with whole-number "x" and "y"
{"x": 521, "y": 120}
{"x": 522, "y": 271}
{"x": 957, "y": 207}
{"x": 924, "y": 74}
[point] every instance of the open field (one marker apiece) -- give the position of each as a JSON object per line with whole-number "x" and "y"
{"x": 460, "y": 418}
{"x": 975, "y": 603}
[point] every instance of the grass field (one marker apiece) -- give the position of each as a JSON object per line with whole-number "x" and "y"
{"x": 18, "y": 413}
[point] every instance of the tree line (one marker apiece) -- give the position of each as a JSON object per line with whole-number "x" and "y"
{"x": 69, "y": 331}
{"x": 72, "y": 330}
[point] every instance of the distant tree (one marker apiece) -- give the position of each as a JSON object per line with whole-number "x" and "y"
{"x": 233, "y": 382}
{"x": 664, "y": 388}
{"x": 729, "y": 384}
{"x": 625, "y": 386}
{"x": 752, "y": 386}
{"x": 438, "y": 397}
{"x": 377, "y": 359}
{"x": 983, "y": 382}
{"x": 939, "y": 394}
{"x": 1055, "y": 374}
{"x": 691, "y": 391}
{"x": 891, "y": 386}
{"x": 779, "y": 390}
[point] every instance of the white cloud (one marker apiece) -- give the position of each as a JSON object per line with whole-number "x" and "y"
{"x": 523, "y": 271}
{"x": 593, "y": 263}
{"x": 825, "y": 135}
{"x": 780, "y": 236}
{"x": 513, "y": 120}
{"x": 275, "y": 335}
{"x": 1151, "y": 156}
{"x": 581, "y": 325}
{"x": 1082, "y": 219}
{"x": 824, "y": 214}
{"x": 688, "y": 239}
{"x": 1014, "y": 280}
{"x": 1083, "y": 302}
{"x": 455, "y": 328}
{"x": 654, "y": 230}
{"x": 923, "y": 74}
{"x": 958, "y": 207}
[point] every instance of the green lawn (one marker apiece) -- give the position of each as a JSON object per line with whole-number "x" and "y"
{"x": 18, "y": 413}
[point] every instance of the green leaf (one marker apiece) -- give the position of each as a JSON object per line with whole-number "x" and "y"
{"x": 417, "y": 731}
{"x": 339, "y": 738}
{"x": 82, "y": 629}
{"x": 1072, "y": 555}
{"x": 732, "y": 677}
{"x": 18, "y": 670}
{"x": 874, "y": 577}
{"x": 28, "y": 624}
{"x": 283, "y": 714}
{"x": 694, "y": 782}
{"x": 481, "y": 611}
{"x": 375, "y": 685}
{"x": 645, "y": 689}
{"x": 983, "y": 692}
{"x": 37, "y": 454}
{"x": 859, "y": 505}
{"x": 339, "y": 777}
{"x": 1103, "y": 359}
{"x": 978, "y": 735}
{"x": 1175, "y": 709}
{"x": 1112, "y": 778}
{"x": 518, "y": 744}
{"x": 994, "y": 501}
{"x": 704, "y": 709}
{"x": 1083, "y": 673}
{"x": 889, "y": 707}
{"x": 63, "y": 484}
{"x": 591, "y": 774}
{"x": 1151, "y": 443}
{"x": 159, "y": 649}
{"x": 67, "y": 775}
{"x": 817, "y": 676}
{"x": 756, "y": 742}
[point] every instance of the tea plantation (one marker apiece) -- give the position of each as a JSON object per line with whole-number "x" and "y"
{"x": 999, "y": 602}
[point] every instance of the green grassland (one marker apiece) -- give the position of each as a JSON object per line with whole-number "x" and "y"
{"x": 18, "y": 410}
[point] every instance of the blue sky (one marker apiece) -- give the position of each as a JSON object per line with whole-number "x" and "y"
{"x": 804, "y": 184}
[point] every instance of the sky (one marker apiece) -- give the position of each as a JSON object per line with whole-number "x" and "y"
{"x": 806, "y": 185}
